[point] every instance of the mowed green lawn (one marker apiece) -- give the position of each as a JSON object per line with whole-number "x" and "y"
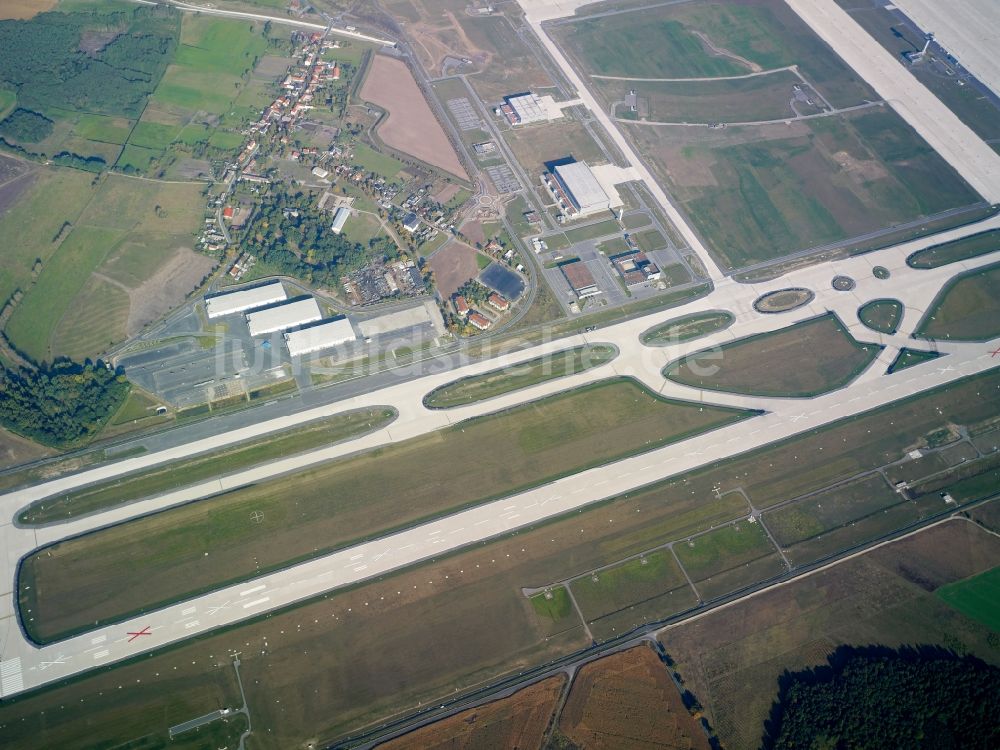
{"x": 174, "y": 475}
{"x": 978, "y": 597}
{"x": 213, "y": 57}
{"x": 951, "y": 252}
{"x": 688, "y": 40}
{"x": 162, "y": 557}
{"x": 497, "y": 382}
{"x": 968, "y": 309}
{"x": 758, "y": 194}
{"x": 353, "y": 657}
{"x": 824, "y": 354}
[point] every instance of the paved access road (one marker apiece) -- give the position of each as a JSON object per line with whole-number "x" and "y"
{"x": 24, "y": 666}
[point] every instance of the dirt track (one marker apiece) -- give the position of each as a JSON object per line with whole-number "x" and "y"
{"x": 410, "y": 126}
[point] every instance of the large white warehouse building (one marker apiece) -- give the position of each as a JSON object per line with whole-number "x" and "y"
{"x": 244, "y": 299}
{"x": 577, "y": 190}
{"x": 280, "y": 317}
{"x": 323, "y": 335}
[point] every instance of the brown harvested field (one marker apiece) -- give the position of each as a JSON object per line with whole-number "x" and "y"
{"x": 453, "y": 265}
{"x": 826, "y": 357}
{"x": 731, "y": 659}
{"x": 547, "y": 142}
{"x": 628, "y": 701}
{"x": 448, "y": 191}
{"x": 16, "y": 177}
{"x": 15, "y": 450}
{"x": 475, "y": 231}
{"x": 519, "y": 721}
{"x": 24, "y": 8}
{"x": 410, "y": 126}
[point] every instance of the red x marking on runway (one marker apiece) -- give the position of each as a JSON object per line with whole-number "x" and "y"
{"x": 995, "y": 353}
{"x": 145, "y": 631}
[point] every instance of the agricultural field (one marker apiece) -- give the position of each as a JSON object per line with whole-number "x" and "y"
{"x": 173, "y": 476}
{"x": 497, "y": 382}
{"x": 727, "y": 100}
{"x": 79, "y": 98}
{"x": 340, "y": 502}
{"x": 967, "y": 309}
{"x": 628, "y": 700}
{"x": 882, "y": 315}
{"x": 951, "y": 252}
{"x": 759, "y": 193}
{"x": 687, "y": 328}
{"x": 352, "y": 658}
{"x": 410, "y": 126}
{"x": 976, "y": 597}
{"x": 826, "y": 357}
{"x": 205, "y": 98}
{"x": 731, "y": 659}
{"x": 116, "y": 251}
{"x": 518, "y": 721}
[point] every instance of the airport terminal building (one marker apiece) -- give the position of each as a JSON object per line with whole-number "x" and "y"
{"x": 576, "y": 189}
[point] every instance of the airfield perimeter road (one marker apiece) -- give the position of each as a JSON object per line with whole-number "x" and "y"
{"x": 24, "y": 666}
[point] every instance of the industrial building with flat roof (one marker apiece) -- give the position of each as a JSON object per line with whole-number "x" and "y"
{"x": 580, "y": 279}
{"x": 325, "y": 335}
{"x": 339, "y": 219}
{"x": 576, "y": 189}
{"x": 244, "y": 299}
{"x": 524, "y": 109}
{"x": 280, "y": 317}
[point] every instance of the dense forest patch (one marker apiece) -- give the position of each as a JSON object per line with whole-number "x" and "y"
{"x": 60, "y": 404}
{"x": 922, "y": 697}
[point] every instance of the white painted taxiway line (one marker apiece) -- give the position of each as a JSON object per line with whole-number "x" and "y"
{"x": 39, "y": 666}
{"x": 939, "y": 126}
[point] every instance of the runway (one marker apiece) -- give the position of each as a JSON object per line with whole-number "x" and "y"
{"x": 24, "y": 666}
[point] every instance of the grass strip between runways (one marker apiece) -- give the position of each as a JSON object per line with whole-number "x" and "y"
{"x": 154, "y": 560}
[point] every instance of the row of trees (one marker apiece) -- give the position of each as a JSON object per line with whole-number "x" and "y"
{"x": 60, "y": 404}
{"x": 100, "y": 62}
